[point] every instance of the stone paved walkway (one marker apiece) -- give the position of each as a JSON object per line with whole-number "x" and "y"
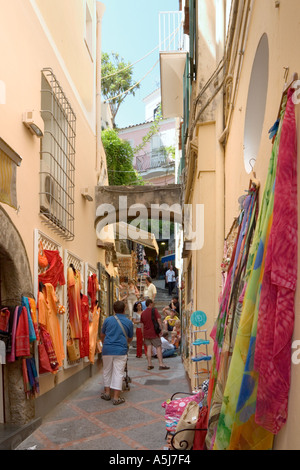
{"x": 84, "y": 421}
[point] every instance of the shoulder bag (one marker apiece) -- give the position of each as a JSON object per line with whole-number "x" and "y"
{"x": 155, "y": 323}
{"x": 122, "y": 327}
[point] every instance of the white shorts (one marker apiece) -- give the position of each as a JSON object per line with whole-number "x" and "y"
{"x": 113, "y": 371}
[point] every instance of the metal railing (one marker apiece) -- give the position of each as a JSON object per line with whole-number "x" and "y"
{"x": 144, "y": 163}
{"x": 57, "y": 157}
{"x": 171, "y": 36}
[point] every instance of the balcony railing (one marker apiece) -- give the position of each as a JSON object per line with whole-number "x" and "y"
{"x": 144, "y": 163}
{"x": 171, "y": 36}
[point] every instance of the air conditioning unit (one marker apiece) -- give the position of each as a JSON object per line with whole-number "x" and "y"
{"x": 50, "y": 196}
{"x": 34, "y": 122}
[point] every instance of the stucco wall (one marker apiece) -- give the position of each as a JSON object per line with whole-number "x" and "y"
{"x": 282, "y": 28}
{"x": 32, "y": 39}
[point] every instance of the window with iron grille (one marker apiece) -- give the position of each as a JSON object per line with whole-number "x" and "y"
{"x": 57, "y": 158}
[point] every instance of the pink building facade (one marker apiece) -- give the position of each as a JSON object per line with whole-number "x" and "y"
{"x": 155, "y": 162}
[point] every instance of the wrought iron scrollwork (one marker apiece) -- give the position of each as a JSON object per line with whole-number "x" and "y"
{"x": 183, "y": 445}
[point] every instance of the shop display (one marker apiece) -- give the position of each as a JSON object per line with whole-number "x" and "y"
{"x": 30, "y": 378}
{"x": 42, "y": 258}
{"x": 55, "y": 272}
{"x": 236, "y": 252}
{"x": 48, "y": 318}
{"x": 84, "y": 340}
{"x": 74, "y": 288}
{"x": 93, "y": 333}
{"x": 93, "y": 287}
{"x": 38, "y": 322}
{"x": 252, "y": 363}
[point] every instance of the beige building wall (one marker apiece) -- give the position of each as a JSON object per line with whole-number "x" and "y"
{"x": 71, "y": 39}
{"x": 201, "y": 186}
{"x": 35, "y": 35}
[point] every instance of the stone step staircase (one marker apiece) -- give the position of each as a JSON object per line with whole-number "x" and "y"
{"x": 162, "y": 300}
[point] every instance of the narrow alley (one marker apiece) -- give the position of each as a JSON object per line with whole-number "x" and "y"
{"x": 83, "y": 421}
{"x": 149, "y": 200}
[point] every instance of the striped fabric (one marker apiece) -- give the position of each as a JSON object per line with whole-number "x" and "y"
{"x": 8, "y": 177}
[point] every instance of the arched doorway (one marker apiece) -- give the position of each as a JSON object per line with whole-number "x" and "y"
{"x": 15, "y": 281}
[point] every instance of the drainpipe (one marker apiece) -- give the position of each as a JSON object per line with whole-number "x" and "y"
{"x": 99, "y": 162}
{"x": 220, "y": 154}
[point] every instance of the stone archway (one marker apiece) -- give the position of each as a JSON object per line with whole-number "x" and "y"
{"x": 16, "y": 280}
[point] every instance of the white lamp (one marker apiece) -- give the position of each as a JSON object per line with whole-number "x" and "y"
{"x": 33, "y": 121}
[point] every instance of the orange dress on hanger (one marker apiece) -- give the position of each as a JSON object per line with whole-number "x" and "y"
{"x": 74, "y": 288}
{"x": 93, "y": 331}
{"x": 48, "y": 317}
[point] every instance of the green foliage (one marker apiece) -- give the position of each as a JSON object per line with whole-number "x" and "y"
{"x": 119, "y": 157}
{"x": 154, "y": 129}
{"x": 114, "y": 84}
{"x": 170, "y": 151}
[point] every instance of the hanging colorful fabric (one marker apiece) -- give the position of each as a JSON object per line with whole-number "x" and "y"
{"x": 44, "y": 361}
{"x": 47, "y": 341}
{"x": 74, "y": 288}
{"x": 237, "y": 429}
{"x": 22, "y": 335}
{"x": 42, "y": 259}
{"x": 277, "y": 305}
{"x": 4, "y": 319}
{"x": 55, "y": 272}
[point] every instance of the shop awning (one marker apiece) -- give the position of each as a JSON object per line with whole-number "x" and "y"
{"x": 126, "y": 231}
{"x": 167, "y": 258}
{"x": 9, "y": 160}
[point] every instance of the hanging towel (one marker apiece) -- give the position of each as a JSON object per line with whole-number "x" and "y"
{"x": 236, "y": 425}
{"x": 22, "y": 335}
{"x": 32, "y": 335}
{"x": 277, "y": 305}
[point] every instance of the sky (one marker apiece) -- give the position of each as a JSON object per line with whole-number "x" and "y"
{"x": 131, "y": 28}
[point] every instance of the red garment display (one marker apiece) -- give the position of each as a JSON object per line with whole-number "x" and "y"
{"x": 47, "y": 341}
{"x": 277, "y": 304}
{"x": 22, "y": 335}
{"x": 55, "y": 273}
{"x": 93, "y": 287}
{"x": 84, "y": 340}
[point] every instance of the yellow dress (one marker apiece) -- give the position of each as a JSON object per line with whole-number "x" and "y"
{"x": 48, "y": 317}
{"x": 93, "y": 332}
{"x": 74, "y": 288}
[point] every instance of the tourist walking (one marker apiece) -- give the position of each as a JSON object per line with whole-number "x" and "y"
{"x": 151, "y": 338}
{"x": 150, "y": 289}
{"x": 170, "y": 279}
{"x": 132, "y": 297}
{"x": 116, "y": 335}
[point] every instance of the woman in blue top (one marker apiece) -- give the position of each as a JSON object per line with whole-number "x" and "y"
{"x": 116, "y": 334}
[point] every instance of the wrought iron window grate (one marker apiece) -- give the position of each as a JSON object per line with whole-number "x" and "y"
{"x": 57, "y": 158}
